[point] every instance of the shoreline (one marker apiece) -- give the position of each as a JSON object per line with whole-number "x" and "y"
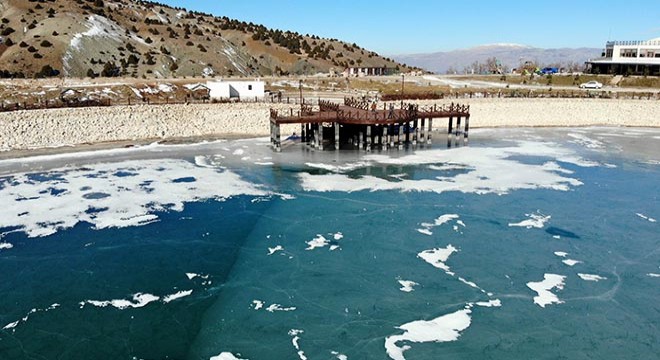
{"x": 38, "y": 132}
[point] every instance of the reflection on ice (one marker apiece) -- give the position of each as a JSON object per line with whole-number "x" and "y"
{"x": 489, "y": 170}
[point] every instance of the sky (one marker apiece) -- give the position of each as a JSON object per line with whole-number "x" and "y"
{"x": 392, "y": 27}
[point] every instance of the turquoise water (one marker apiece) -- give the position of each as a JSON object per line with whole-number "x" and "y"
{"x": 228, "y": 250}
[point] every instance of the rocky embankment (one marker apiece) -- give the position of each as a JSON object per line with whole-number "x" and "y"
{"x": 36, "y": 129}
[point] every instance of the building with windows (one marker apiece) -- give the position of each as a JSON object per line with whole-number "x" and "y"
{"x": 628, "y": 58}
{"x": 369, "y": 71}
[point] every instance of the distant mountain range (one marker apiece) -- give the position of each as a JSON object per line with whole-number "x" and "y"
{"x": 510, "y": 56}
{"x": 79, "y": 38}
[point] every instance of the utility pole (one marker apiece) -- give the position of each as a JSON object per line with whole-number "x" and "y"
{"x": 301, "y": 97}
{"x": 403, "y": 81}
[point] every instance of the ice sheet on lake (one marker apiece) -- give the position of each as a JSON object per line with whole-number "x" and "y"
{"x": 112, "y": 195}
{"x": 6, "y": 246}
{"x": 490, "y": 170}
{"x": 535, "y": 221}
{"x": 542, "y": 288}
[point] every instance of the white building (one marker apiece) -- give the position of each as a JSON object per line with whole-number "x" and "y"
{"x": 250, "y": 90}
{"x": 629, "y": 57}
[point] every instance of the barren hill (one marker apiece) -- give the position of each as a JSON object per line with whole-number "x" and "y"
{"x": 79, "y": 38}
{"x": 510, "y": 56}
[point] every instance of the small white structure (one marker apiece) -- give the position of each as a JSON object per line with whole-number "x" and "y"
{"x": 236, "y": 89}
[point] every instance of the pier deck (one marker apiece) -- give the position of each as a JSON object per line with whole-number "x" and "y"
{"x": 362, "y": 124}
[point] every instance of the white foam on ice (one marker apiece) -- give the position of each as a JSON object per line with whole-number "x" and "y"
{"x": 225, "y": 356}
{"x": 542, "y": 288}
{"x": 425, "y": 231}
{"x": 591, "y": 277}
{"x": 492, "y": 170}
{"x": 654, "y": 275}
{"x": 490, "y": 303}
{"x": 12, "y": 326}
{"x": 339, "y": 356}
{"x": 257, "y": 304}
{"x": 112, "y": 195}
{"x": 294, "y": 333}
{"x": 6, "y": 246}
{"x": 338, "y": 168}
{"x": 586, "y": 141}
{"x": 318, "y": 242}
{"x": 407, "y": 285}
{"x": 438, "y": 256}
{"x": 441, "y": 329}
{"x": 535, "y": 221}
{"x": 443, "y": 219}
{"x": 138, "y": 300}
{"x": 650, "y": 219}
{"x": 178, "y": 295}
{"x": 277, "y": 307}
{"x": 561, "y": 254}
{"x": 275, "y": 249}
{"x": 238, "y": 152}
{"x": 571, "y": 262}
{"x": 321, "y": 241}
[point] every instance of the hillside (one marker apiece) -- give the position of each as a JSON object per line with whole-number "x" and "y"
{"x": 510, "y": 56}
{"x": 79, "y": 38}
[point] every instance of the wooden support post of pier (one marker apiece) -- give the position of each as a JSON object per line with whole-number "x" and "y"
{"x": 360, "y": 139}
{"x": 336, "y": 136}
{"x": 407, "y": 133}
{"x": 315, "y": 137}
{"x": 302, "y": 133}
{"x": 422, "y": 138}
{"x": 465, "y": 133}
{"x": 278, "y": 143}
{"x": 368, "y": 138}
{"x": 379, "y": 131}
{"x": 386, "y": 141}
{"x": 415, "y": 132}
{"x": 458, "y": 130}
{"x": 272, "y": 133}
{"x": 450, "y": 131}
{"x": 400, "y": 136}
{"x": 430, "y": 135}
{"x": 320, "y": 136}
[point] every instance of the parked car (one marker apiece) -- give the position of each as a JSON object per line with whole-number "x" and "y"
{"x": 591, "y": 85}
{"x": 549, "y": 70}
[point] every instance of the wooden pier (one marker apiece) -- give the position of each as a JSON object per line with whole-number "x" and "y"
{"x": 360, "y": 125}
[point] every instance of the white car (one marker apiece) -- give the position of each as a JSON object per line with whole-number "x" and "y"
{"x": 591, "y": 85}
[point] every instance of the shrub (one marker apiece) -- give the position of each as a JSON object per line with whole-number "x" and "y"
{"x": 7, "y": 31}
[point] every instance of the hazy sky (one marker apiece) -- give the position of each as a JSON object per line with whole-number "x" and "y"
{"x": 416, "y": 26}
